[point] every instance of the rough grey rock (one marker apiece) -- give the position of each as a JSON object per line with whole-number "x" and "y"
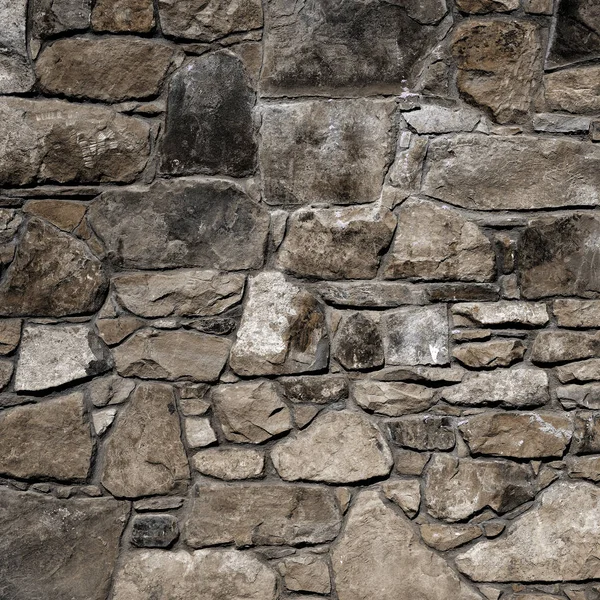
{"x": 51, "y": 17}
{"x": 445, "y": 537}
{"x": 495, "y": 353}
{"x": 337, "y": 447}
{"x": 370, "y": 294}
{"x": 504, "y": 312}
{"x": 123, "y": 16}
{"x": 210, "y": 224}
{"x": 585, "y": 370}
{"x": 487, "y": 6}
{"x": 102, "y": 419}
{"x": 423, "y": 432}
{"x": 574, "y": 90}
{"x": 582, "y": 396}
{"x": 586, "y": 433}
{"x": 229, "y": 463}
{"x": 406, "y": 172}
{"x": 318, "y": 389}
{"x": 577, "y": 313}
{"x": 564, "y": 345}
{"x": 406, "y": 493}
{"x": 430, "y": 118}
{"x": 392, "y": 399}
{"x": 306, "y": 572}
{"x": 154, "y": 531}
{"x": 453, "y": 374}
{"x": 552, "y": 123}
{"x": 357, "y": 344}
{"x": 17, "y": 73}
{"x": 583, "y": 467}
{"x": 157, "y": 504}
{"x": 64, "y": 214}
{"x": 6, "y": 371}
{"x": 48, "y": 545}
{"x": 199, "y": 432}
{"x": 110, "y": 390}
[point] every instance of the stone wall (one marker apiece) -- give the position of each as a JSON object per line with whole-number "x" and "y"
{"x": 300, "y": 299}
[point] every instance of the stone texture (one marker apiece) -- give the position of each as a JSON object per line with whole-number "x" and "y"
{"x": 209, "y": 125}
{"x": 423, "y": 432}
{"x": 51, "y": 439}
{"x": 271, "y": 514}
{"x": 406, "y": 172}
{"x": 144, "y": 454}
{"x": 340, "y": 152}
{"x": 446, "y": 537}
{"x": 406, "y": 493}
{"x": 583, "y": 467}
{"x": 370, "y": 294}
{"x": 229, "y": 463}
{"x": 154, "y": 531}
{"x": 10, "y": 335}
{"x": 319, "y": 389}
{"x": 496, "y": 353}
{"x": 17, "y": 74}
{"x": 48, "y": 545}
{"x": 586, "y": 434}
{"x": 574, "y": 90}
{"x": 504, "y": 312}
{"x": 392, "y": 399}
{"x": 582, "y": 396}
{"x": 103, "y": 419}
{"x": 337, "y": 447}
{"x": 306, "y": 573}
{"x": 52, "y": 356}
{"x": 564, "y": 345}
{"x": 430, "y": 118}
{"x": 198, "y": 432}
{"x": 577, "y": 313}
{"x": 357, "y": 344}
{"x": 553, "y": 123}
{"x": 566, "y": 541}
{"x": 585, "y": 370}
{"x": 486, "y": 6}
{"x": 64, "y": 214}
{"x": 203, "y": 575}
{"x": 110, "y": 390}
{"x": 251, "y": 412}
{"x": 114, "y": 331}
{"x": 282, "y": 330}
{"x": 210, "y": 224}
{"x": 439, "y": 375}
{"x": 123, "y": 16}
{"x": 379, "y": 555}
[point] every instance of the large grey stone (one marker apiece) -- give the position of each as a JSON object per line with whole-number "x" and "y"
{"x": 182, "y": 223}
{"x": 16, "y": 73}
{"x": 391, "y": 398}
{"x": 574, "y": 90}
{"x": 431, "y": 118}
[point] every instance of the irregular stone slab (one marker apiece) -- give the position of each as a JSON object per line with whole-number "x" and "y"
{"x": 586, "y": 434}
{"x": 406, "y": 493}
{"x": 583, "y": 467}
{"x": 392, "y": 399}
{"x": 423, "y": 432}
{"x": 48, "y": 545}
{"x": 144, "y": 455}
{"x": 462, "y": 292}
{"x": 340, "y": 153}
{"x": 64, "y": 214}
{"x": 457, "y": 488}
{"x": 222, "y": 326}
{"x": 566, "y": 535}
{"x": 453, "y": 374}
{"x": 416, "y": 336}
{"x": 62, "y": 142}
{"x": 50, "y": 439}
{"x": 53, "y": 274}
{"x": 155, "y": 354}
{"x": 496, "y": 353}
{"x": 114, "y": 331}
{"x": 439, "y": 119}
{"x": 282, "y": 331}
{"x": 17, "y": 74}
{"x": 585, "y": 370}
{"x": 574, "y": 90}
{"x": 357, "y": 344}
{"x": 345, "y": 243}
{"x": 337, "y": 447}
{"x": 511, "y": 388}
{"x": 52, "y": 355}
{"x": 343, "y": 49}
{"x": 427, "y": 12}
{"x": 434, "y": 242}
{"x": 319, "y": 389}
{"x": 123, "y": 16}
{"x": 497, "y": 65}
{"x": 10, "y": 335}
{"x": 519, "y": 435}
{"x": 406, "y": 172}
{"x": 229, "y": 463}
{"x": 182, "y": 223}
{"x": 270, "y": 514}
{"x": 504, "y": 312}
{"x": 179, "y": 293}
{"x": 577, "y": 313}
{"x": 409, "y": 462}
{"x": 445, "y": 537}
{"x": 209, "y": 126}
{"x": 582, "y": 396}
{"x": 379, "y": 555}
{"x": 251, "y": 412}
{"x": 199, "y": 432}
{"x": 370, "y": 294}
{"x": 306, "y": 573}
{"x": 553, "y": 123}
{"x": 110, "y": 390}
{"x": 159, "y": 503}
{"x": 103, "y": 419}
{"x": 202, "y": 575}
{"x": 494, "y": 173}
{"x": 111, "y": 69}
{"x": 154, "y": 531}
{"x": 485, "y": 6}
{"x": 564, "y": 345}
{"x": 208, "y": 21}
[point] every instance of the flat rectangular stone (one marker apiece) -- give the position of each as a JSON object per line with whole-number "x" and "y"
{"x": 503, "y": 312}
{"x": 552, "y": 123}
{"x": 577, "y": 313}
{"x": 371, "y": 294}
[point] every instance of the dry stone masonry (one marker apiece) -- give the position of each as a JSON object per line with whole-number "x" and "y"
{"x": 299, "y": 299}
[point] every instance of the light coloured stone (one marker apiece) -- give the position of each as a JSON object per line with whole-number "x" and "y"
{"x": 103, "y": 419}
{"x": 198, "y": 432}
{"x": 552, "y": 123}
{"x": 564, "y": 345}
{"x": 453, "y": 374}
{"x": 306, "y": 572}
{"x": 585, "y": 370}
{"x": 392, "y": 399}
{"x": 406, "y": 493}
{"x": 583, "y": 467}
{"x": 582, "y": 396}
{"x": 504, "y": 312}
{"x": 16, "y": 73}
{"x": 495, "y": 353}
{"x": 430, "y": 118}
{"x": 573, "y": 90}
{"x": 577, "y": 313}
{"x": 229, "y": 463}
{"x": 446, "y": 537}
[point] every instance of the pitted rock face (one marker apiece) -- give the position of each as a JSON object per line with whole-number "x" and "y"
{"x": 17, "y": 74}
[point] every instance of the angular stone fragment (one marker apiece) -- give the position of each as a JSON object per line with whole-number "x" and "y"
{"x": 273, "y": 515}
{"x": 434, "y": 242}
{"x": 182, "y": 223}
{"x": 496, "y": 353}
{"x": 337, "y": 447}
{"x": 53, "y": 274}
{"x": 504, "y": 312}
{"x": 64, "y": 214}
{"x": 144, "y": 454}
{"x": 453, "y": 374}
{"x": 539, "y": 7}
{"x": 222, "y": 326}
{"x": 392, "y": 399}
{"x": 52, "y": 355}
{"x": 154, "y": 531}
{"x": 198, "y": 432}
{"x": 577, "y": 313}
{"x": 423, "y": 432}
{"x": 574, "y": 90}
{"x": 209, "y": 20}
{"x": 494, "y": 173}
{"x": 519, "y": 435}
{"x": 103, "y": 419}
{"x": 585, "y": 370}
{"x": 48, "y": 545}
{"x": 10, "y": 335}
{"x": 584, "y": 467}
{"x": 340, "y": 152}
{"x": 430, "y": 118}
{"x": 202, "y": 575}
{"x": 123, "y": 16}
{"x": 582, "y": 396}
{"x": 445, "y": 537}
{"x": 406, "y": 493}
{"x": 553, "y": 123}
{"x": 426, "y": 12}
{"x": 6, "y": 371}
{"x": 406, "y": 172}
{"x": 114, "y": 331}
{"x": 512, "y": 388}
{"x": 409, "y": 462}
{"x": 229, "y": 463}
{"x": 110, "y": 390}
{"x": 179, "y": 293}
{"x": 566, "y": 541}
{"x": 319, "y": 389}
{"x": 251, "y": 412}
{"x": 485, "y": 6}
{"x": 380, "y": 556}
{"x": 209, "y": 125}
{"x": 159, "y": 503}
{"x": 282, "y": 331}
{"x": 306, "y": 573}
{"x": 564, "y": 345}
{"x": 370, "y": 294}
{"x": 15, "y": 68}
{"x": 357, "y": 344}
{"x": 345, "y": 243}
{"x": 586, "y": 434}
{"x": 457, "y": 488}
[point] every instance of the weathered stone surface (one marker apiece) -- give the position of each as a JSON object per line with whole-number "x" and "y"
{"x": 496, "y": 353}
{"x": 406, "y": 172}
{"x": 487, "y": 6}
{"x": 457, "y": 488}
{"x": 282, "y": 331}
{"x": 462, "y": 292}
{"x": 53, "y": 274}
{"x": 246, "y": 514}
{"x": 379, "y": 555}
{"x": 416, "y": 336}
{"x": 434, "y": 242}
{"x": 52, "y": 355}
{"x": 566, "y": 541}
{"x": 344, "y": 49}
{"x": 179, "y": 293}
{"x": 577, "y": 313}
{"x": 103, "y": 419}
{"x": 553, "y": 123}
{"x": 392, "y": 399}
{"x": 251, "y": 412}
{"x": 345, "y": 243}
{"x": 445, "y": 537}
{"x": 155, "y": 354}
{"x": 539, "y": 7}
{"x": 64, "y": 214}
{"x": 340, "y": 152}
{"x": 564, "y": 345}
{"x": 574, "y": 90}
{"x": 51, "y": 17}
{"x": 586, "y": 434}
{"x": 319, "y": 389}
{"x": 48, "y": 545}
{"x": 306, "y": 573}
{"x": 357, "y": 344}
{"x": 214, "y": 326}
{"x": 585, "y": 370}
{"x": 144, "y": 454}
{"x": 123, "y": 16}
{"x": 114, "y": 331}
{"x": 409, "y": 462}
{"x": 453, "y": 374}
{"x": 209, "y": 119}
{"x": 370, "y": 294}
{"x": 582, "y": 396}
{"x": 16, "y": 72}
{"x": 423, "y": 432}
{"x": 158, "y": 503}
{"x": 430, "y": 118}
{"x": 229, "y": 463}
{"x": 406, "y": 493}
{"x": 337, "y": 447}
{"x": 110, "y": 390}
{"x": 182, "y": 223}
{"x": 6, "y": 371}
{"x": 504, "y": 312}
{"x": 517, "y": 387}
{"x": 584, "y": 467}
{"x": 494, "y": 173}
{"x": 208, "y": 21}
{"x": 202, "y": 575}
{"x": 50, "y": 439}
{"x": 154, "y": 531}
{"x": 520, "y": 435}
{"x": 199, "y": 432}
{"x": 10, "y": 335}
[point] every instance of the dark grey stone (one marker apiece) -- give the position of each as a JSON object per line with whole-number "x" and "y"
{"x": 358, "y": 344}
{"x": 154, "y": 531}
{"x": 423, "y": 432}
